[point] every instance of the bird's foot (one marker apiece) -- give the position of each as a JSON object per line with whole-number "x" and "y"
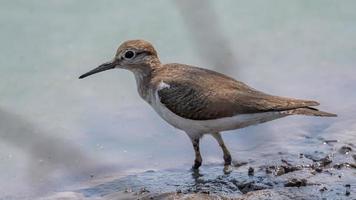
{"x": 228, "y": 169}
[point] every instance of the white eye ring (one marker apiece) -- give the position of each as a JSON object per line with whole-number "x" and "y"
{"x": 129, "y": 54}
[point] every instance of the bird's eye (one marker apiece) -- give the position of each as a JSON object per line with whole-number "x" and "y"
{"x": 129, "y": 54}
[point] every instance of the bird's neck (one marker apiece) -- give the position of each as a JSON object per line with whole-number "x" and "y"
{"x": 143, "y": 77}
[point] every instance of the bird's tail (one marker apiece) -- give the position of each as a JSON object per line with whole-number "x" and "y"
{"x": 310, "y": 112}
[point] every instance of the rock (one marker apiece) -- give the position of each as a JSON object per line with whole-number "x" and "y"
{"x": 296, "y": 183}
{"x": 345, "y": 149}
{"x": 128, "y": 190}
{"x": 284, "y": 169}
{"x": 323, "y": 189}
{"x": 251, "y": 186}
{"x": 352, "y": 165}
{"x": 143, "y": 191}
{"x": 251, "y": 171}
{"x": 325, "y": 161}
{"x": 321, "y": 161}
{"x": 348, "y": 187}
{"x": 238, "y": 163}
{"x": 279, "y": 171}
{"x": 270, "y": 169}
{"x": 338, "y": 165}
{"x": 318, "y": 169}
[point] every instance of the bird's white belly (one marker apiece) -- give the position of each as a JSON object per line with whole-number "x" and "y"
{"x": 200, "y": 127}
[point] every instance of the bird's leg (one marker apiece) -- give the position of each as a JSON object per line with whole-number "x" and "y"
{"x": 198, "y": 159}
{"x": 227, "y": 155}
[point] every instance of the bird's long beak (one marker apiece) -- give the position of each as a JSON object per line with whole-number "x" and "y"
{"x": 101, "y": 68}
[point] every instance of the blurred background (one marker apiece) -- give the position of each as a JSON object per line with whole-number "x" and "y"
{"x": 56, "y": 130}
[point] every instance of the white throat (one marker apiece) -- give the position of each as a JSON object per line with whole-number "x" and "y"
{"x": 142, "y": 82}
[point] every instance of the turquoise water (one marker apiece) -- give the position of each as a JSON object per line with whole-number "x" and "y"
{"x": 56, "y": 129}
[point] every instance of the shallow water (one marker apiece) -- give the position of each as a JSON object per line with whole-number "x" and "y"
{"x": 323, "y": 169}
{"x": 57, "y": 131}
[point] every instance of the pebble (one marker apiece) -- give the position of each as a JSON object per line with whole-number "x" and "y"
{"x": 323, "y": 189}
{"x": 251, "y": 171}
{"x": 318, "y": 169}
{"x": 280, "y": 171}
{"x": 296, "y": 183}
{"x": 348, "y": 187}
{"x": 345, "y": 149}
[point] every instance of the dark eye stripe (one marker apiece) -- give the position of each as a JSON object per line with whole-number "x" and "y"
{"x": 143, "y": 52}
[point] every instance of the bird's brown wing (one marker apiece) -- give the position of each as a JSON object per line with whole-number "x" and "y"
{"x": 215, "y": 96}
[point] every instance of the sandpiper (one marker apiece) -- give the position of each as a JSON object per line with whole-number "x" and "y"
{"x": 200, "y": 101}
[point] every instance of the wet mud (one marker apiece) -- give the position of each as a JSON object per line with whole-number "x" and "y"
{"x": 327, "y": 171}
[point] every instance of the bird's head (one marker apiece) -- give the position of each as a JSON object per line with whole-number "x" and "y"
{"x": 134, "y": 55}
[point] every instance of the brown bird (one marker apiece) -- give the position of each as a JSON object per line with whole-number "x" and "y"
{"x": 200, "y": 101}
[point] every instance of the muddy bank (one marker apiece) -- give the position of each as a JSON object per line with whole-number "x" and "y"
{"x": 326, "y": 171}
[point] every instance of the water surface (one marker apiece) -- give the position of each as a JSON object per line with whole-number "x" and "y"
{"x": 57, "y": 130}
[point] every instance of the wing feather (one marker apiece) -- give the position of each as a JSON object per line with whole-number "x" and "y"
{"x": 201, "y": 94}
